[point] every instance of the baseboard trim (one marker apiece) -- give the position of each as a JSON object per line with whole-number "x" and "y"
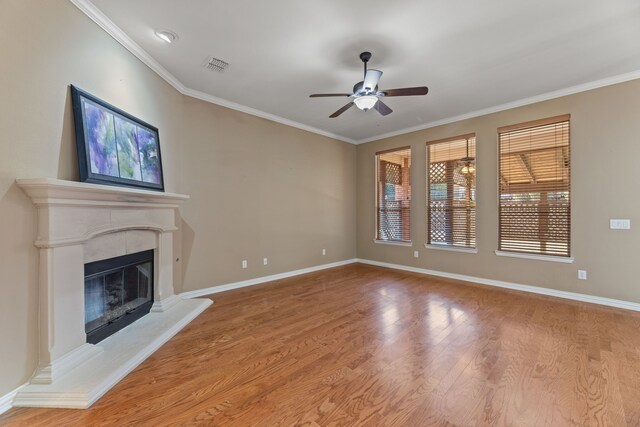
{"x": 263, "y": 279}
{"x": 6, "y": 401}
{"x": 627, "y": 305}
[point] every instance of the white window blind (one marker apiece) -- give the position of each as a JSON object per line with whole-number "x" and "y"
{"x": 393, "y": 195}
{"x": 535, "y": 191}
{"x": 451, "y": 192}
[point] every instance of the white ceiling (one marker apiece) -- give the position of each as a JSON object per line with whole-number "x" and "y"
{"x": 475, "y": 56}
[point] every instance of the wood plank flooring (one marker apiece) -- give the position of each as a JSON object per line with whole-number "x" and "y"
{"x": 362, "y": 345}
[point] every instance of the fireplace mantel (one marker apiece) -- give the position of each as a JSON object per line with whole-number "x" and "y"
{"x": 50, "y": 191}
{"x": 80, "y": 223}
{"x": 72, "y": 212}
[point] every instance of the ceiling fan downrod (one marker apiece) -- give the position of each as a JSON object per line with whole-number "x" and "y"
{"x": 365, "y": 57}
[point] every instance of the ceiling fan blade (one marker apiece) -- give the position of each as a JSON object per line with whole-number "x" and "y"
{"x": 382, "y": 108}
{"x": 371, "y": 79}
{"x": 406, "y": 91}
{"x": 342, "y": 110}
{"x": 323, "y": 95}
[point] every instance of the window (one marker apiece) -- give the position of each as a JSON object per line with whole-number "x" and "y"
{"x": 451, "y": 192}
{"x": 393, "y": 195}
{"x": 534, "y": 196}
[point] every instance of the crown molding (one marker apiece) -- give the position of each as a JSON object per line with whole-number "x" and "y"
{"x": 514, "y": 104}
{"x": 114, "y": 31}
{"x": 259, "y": 113}
{"x": 89, "y": 9}
{"x": 121, "y": 37}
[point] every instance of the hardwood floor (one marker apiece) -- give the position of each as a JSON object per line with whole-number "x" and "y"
{"x": 362, "y": 345}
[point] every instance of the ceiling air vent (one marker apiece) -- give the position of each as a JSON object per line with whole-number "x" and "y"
{"x": 215, "y": 64}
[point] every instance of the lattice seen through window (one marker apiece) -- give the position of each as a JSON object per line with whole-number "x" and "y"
{"x": 535, "y": 203}
{"x": 393, "y": 195}
{"x": 451, "y": 192}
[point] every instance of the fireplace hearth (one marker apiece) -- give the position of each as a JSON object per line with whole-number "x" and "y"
{"x": 117, "y": 292}
{"x": 82, "y": 229}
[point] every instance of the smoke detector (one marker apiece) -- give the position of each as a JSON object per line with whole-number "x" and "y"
{"x": 215, "y": 64}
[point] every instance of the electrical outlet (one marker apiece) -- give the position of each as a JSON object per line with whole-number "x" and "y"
{"x": 620, "y": 224}
{"x": 244, "y": 263}
{"x": 416, "y": 254}
{"x": 324, "y": 252}
{"x": 582, "y": 274}
{"x": 265, "y": 261}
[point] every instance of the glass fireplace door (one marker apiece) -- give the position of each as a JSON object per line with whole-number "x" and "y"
{"x": 117, "y": 292}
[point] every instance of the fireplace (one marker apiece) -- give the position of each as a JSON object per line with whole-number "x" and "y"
{"x": 117, "y": 292}
{"x": 82, "y": 296}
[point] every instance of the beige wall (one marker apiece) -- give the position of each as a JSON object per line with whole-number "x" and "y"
{"x": 46, "y": 45}
{"x": 605, "y": 151}
{"x": 242, "y": 172}
{"x": 260, "y": 189}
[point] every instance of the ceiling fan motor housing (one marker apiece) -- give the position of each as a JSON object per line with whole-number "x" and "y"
{"x": 358, "y": 90}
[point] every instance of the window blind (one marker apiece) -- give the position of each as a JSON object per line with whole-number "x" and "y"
{"x": 451, "y": 191}
{"x": 535, "y": 195}
{"x": 393, "y": 195}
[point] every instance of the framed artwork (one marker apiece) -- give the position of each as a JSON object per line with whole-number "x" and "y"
{"x": 114, "y": 147}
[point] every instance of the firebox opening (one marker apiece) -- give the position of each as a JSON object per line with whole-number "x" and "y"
{"x": 117, "y": 292}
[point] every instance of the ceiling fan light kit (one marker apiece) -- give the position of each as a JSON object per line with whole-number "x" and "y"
{"x": 366, "y": 95}
{"x": 365, "y": 102}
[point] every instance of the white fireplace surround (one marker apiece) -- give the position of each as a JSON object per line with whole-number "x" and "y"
{"x": 80, "y": 223}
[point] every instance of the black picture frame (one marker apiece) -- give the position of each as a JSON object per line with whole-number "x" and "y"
{"x": 114, "y": 147}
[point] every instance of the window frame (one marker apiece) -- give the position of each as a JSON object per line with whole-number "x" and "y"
{"x": 376, "y": 238}
{"x": 560, "y": 258}
{"x": 449, "y": 246}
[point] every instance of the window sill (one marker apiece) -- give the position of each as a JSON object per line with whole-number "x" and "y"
{"x": 451, "y": 248}
{"x": 393, "y": 242}
{"x": 560, "y": 259}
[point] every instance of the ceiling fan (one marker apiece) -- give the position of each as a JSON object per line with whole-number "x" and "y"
{"x": 366, "y": 95}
